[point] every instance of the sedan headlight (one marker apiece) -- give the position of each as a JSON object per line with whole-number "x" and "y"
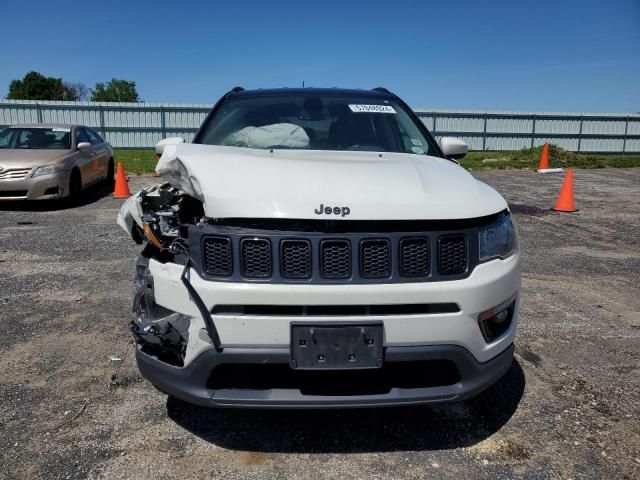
{"x": 47, "y": 169}
{"x": 498, "y": 240}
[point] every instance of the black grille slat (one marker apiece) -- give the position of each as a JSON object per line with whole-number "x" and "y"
{"x": 452, "y": 255}
{"x": 415, "y": 258}
{"x": 13, "y": 193}
{"x": 256, "y": 259}
{"x": 296, "y": 259}
{"x": 217, "y": 256}
{"x": 328, "y": 310}
{"x": 335, "y": 259}
{"x": 375, "y": 258}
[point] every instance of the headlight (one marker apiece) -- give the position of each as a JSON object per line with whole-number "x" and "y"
{"x": 498, "y": 240}
{"x": 47, "y": 169}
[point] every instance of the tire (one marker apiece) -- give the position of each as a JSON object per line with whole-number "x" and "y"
{"x": 144, "y": 305}
{"x": 141, "y": 280}
{"x": 111, "y": 175}
{"x": 75, "y": 185}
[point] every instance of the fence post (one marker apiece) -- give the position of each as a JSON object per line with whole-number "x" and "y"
{"x": 38, "y": 113}
{"x": 484, "y": 133}
{"x": 533, "y": 129}
{"x": 580, "y": 134}
{"x": 434, "y": 122}
{"x": 626, "y": 129}
{"x": 102, "y": 129}
{"x": 163, "y": 125}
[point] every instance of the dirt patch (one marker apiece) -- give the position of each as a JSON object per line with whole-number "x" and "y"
{"x": 514, "y": 450}
{"x": 530, "y": 210}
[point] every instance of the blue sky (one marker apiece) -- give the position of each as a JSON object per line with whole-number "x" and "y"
{"x": 563, "y": 55}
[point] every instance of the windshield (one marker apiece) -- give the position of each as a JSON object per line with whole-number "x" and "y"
{"x": 316, "y": 122}
{"x": 36, "y": 138}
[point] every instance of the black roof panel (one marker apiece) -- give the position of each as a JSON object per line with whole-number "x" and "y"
{"x": 311, "y": 90}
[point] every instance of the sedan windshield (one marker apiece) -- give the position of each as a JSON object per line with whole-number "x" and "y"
{"x": 36, "y": 138}
{"x": 316, "y": 122}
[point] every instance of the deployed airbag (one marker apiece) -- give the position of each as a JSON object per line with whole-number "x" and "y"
{"x": 269, "y": 136}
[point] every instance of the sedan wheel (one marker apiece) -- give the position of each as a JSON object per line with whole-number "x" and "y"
{"x": 75, "y": 184}
{"x": 110, "y": 174}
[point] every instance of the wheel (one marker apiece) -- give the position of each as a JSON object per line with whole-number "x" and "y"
{"x": 141, "y": 284}
{"x": 110, "y": 174}
{"x": 75, "y": 185}
{"x": 144, "y": 306}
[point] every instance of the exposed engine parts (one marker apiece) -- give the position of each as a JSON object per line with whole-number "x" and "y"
{"x": 165, "y": 213}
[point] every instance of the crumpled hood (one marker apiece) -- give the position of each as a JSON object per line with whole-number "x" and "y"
{"x": 237, "y": 182}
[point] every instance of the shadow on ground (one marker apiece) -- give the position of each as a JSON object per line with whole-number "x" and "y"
{"x": 87, "y": 197}
{"x": 355, "y": 431}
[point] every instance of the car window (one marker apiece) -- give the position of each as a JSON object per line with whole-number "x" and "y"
{"x": 81, "y": 136}
{"x": 94, "y": 138}
{"x": 6, "y": 137}
{"x": 316, "y": 122}
{"x": 36, "y": 138}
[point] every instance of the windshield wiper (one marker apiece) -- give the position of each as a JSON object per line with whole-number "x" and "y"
{"x": 285, "y": 147}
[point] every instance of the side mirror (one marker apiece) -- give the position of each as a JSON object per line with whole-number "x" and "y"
{"x": 167, "y": 141}
{"x": 84, "y": 146}
{"x": 453, "y": 147}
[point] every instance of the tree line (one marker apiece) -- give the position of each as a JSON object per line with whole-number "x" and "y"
{"x": 35, "y": 86}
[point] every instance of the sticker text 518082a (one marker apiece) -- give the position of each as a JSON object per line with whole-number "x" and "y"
{"x": 372, "y": 108}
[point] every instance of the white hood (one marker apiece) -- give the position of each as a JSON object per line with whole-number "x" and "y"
{"x": 237, "y": 182}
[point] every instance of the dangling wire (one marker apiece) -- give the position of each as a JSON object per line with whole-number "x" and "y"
{"x": 179, "y": 245}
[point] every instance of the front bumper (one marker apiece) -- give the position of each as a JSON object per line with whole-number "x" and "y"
{"x": 489, "y": 285}
{"x": 190, "y": 383}
{"x": 428, "y": 340}
{"x": 43, "y": 187}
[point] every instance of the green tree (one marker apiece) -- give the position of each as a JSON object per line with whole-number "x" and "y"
{"x": 35, "y": 86}
{"x": 115, "y": 91}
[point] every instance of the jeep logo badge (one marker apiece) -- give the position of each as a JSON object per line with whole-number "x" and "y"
{"x": 342, "y": 211}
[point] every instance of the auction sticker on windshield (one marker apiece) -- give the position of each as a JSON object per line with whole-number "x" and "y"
{"x": 372, "y": 108}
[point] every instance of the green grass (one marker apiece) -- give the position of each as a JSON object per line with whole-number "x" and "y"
{"x": 528, "y": 158}
{"x": 135, "y": 161}
{"x": 139, "y": 161}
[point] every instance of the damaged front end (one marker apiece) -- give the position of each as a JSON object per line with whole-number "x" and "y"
{"x": 160, "y": 216}
{"x": 158, "y": 331}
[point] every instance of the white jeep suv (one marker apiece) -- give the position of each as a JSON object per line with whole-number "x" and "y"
{"x": 317, "y": 248}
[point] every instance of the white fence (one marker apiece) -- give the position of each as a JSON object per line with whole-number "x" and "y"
{"x": 141, "y": 125}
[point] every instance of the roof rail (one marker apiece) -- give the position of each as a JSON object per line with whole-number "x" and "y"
{"x": 381, "y": 90}
{"x": 236, "y": 90}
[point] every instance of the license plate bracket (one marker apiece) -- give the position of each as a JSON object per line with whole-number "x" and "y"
{"x": 337, "y": 346}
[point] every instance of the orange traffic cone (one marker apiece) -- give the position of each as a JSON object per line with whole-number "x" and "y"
{"x": 544, "y": 157}
{"x": 543, "y": 166}
{"x": 565, "y": 199}
{"x": 122, "y": 187}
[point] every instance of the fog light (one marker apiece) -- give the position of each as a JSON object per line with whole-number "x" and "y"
{"x": 495, "y": 321}
{"x": 500, "y": 317}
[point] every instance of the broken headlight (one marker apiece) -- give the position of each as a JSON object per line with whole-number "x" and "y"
{"x": 498, "y": 240}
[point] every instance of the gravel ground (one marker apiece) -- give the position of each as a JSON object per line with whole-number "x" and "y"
{"x": 568, "y": 409}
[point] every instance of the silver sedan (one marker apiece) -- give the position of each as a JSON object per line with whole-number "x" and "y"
{"x": 46, "y": 161}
